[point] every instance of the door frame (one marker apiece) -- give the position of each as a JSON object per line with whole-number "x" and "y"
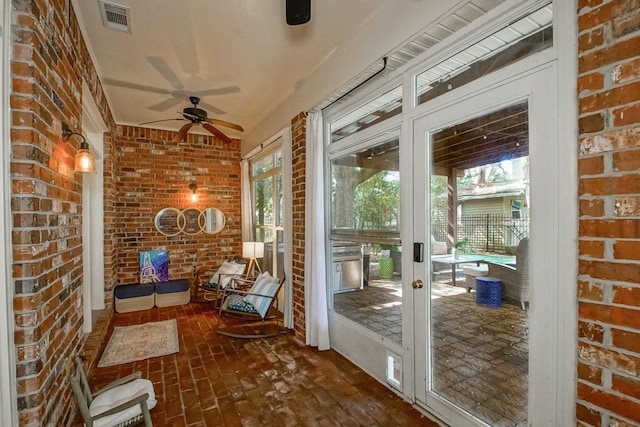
{"x": 93, "y": 278}
{"x": 8, "y": 405}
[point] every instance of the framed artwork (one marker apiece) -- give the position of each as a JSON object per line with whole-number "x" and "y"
{"x": 154, "y": 266}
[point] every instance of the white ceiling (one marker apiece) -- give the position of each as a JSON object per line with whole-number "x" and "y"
{"x": 239, "y": 55}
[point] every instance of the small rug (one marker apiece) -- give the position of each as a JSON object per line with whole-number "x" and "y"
{"x": 139, "y": 342}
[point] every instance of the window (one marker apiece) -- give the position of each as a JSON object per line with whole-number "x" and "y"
{"x": 522, "y": 38}
{"x": 381, "y": 108}
{"x": 365, "y": 231}
{"x": 266, "y": 180}
{"x": 365, "y": 192}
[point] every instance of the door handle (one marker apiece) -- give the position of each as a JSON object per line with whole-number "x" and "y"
{"x": 417, "y": 284}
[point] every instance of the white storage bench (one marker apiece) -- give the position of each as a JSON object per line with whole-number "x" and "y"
{"x": 143, "y": 296}
{"x": 134, "y": 297}
{"x": 173, "y": 292}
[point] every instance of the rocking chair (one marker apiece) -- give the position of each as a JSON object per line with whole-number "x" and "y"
{"x": 257, "y": 305}
{"x": 223, "y": 277}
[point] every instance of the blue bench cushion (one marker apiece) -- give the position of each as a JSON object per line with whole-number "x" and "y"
{"x": 172, "y": 286}
{"x": 134, "y": 290}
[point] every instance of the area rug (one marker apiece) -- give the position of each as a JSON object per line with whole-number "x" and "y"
{"x": 139, "y": 342}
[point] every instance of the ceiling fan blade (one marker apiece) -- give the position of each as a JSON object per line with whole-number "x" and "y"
{"x": 129, "y": 85}
{"x": 182, "y": 132}
{"x": 218, "y": 91}
{"x": 216, "y": 132}
{"x": 225, "y": 124}
{"x": 166, "y": 104}
{"x": 211, "y": 108}
{"x": 158, "y": 121}
{"x": 163, "y": 68}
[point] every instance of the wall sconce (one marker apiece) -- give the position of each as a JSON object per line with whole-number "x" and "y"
{"x": 193, "y": 187}
{"x": 85, "y": 162}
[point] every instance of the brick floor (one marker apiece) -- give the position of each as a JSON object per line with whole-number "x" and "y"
{"x": 220, "y": 381}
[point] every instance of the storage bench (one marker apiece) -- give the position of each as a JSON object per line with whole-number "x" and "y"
{"x": 173, "y": 292}
{"x": 134, "y": 297}
{"x": 143, "y": 296}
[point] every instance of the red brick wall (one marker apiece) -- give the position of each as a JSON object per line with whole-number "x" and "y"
{"x": 153, "y": 173}
{"x": 48, "y": 63}
{"x": 298, "y": 172}
{"x": 609, "y": 242}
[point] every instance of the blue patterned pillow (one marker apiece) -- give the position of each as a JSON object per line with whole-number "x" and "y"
{"x": 236, "y": 302}
{"x": 265, "y": 285}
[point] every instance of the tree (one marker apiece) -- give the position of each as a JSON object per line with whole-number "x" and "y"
{"x": 377, "y": 202}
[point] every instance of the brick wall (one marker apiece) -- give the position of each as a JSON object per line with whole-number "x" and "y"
{"x": 609, "y": 184}
{"x": 153, "y": 173}
{"x": 48, "y": 63}
{"x": 298, "y": 172}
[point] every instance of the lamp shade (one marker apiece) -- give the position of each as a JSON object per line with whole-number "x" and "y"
{"x": 85, "y": 162}
{"x": 253, "y": 250}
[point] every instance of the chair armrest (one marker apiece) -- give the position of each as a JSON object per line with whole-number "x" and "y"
{"x": 506, "y": 273}
{"x": 138, "y": 400}
{"x": 119, "y": 382}
{"x": 229, "y": 290}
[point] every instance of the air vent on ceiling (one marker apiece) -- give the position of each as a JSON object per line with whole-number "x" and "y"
{"x": 115, "y": 16}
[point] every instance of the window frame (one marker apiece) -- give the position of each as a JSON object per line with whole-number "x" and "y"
{"x": 263, "y": 229}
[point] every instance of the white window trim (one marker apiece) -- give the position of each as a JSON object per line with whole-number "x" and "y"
{"x": 8, "y": 405}
{"x": 261, "y": 150}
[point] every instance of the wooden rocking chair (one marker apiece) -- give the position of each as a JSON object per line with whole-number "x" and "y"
{"x": 254, "y": 309}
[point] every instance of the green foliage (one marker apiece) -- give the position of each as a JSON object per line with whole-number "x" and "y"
{"x": 463, "y": 246}
{"x": 438, "y": 189}
{"x": 377, "y": 202}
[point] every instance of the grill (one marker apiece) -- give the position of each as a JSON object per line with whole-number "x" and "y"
{"x": 347, "y": 266}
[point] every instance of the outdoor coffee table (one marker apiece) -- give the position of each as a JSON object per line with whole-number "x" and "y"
{"x": 453, "y": 263}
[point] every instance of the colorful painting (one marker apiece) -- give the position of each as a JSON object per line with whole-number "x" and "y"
{"x": 154, "y": 266}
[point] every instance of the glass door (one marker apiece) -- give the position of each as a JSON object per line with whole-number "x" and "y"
{"x": 474, "y": 318}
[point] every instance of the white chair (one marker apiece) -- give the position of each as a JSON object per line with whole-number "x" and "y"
{"x": 124, "y": 402}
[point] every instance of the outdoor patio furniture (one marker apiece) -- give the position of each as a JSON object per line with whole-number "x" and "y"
{"x": 471, "y": 272}
{"x": 515, "y": 280}
{"x": 453, "y": 264}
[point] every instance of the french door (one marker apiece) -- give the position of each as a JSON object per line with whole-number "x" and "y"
{"x": 480, "y": 359}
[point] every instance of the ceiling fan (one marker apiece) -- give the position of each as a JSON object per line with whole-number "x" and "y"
{"x": 177, "y": 91}
{"x": 198, "y": 116}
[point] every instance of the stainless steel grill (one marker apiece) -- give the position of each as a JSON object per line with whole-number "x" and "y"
{"x": 347, "y": 266}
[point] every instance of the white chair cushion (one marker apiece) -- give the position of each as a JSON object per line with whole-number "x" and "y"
{"x": 227, "y": 271}
{"x": 439, "y": 248}
{"x": 476, "y": 270}
{"x": 264, "y": 285}
{"x": 117, "y": 395}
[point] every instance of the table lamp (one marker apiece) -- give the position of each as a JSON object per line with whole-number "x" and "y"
{"x": 252, "y": 251}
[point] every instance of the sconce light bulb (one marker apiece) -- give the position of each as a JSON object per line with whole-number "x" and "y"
{"x": 194, "y": 197}
{"x": 84, "y": 163}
